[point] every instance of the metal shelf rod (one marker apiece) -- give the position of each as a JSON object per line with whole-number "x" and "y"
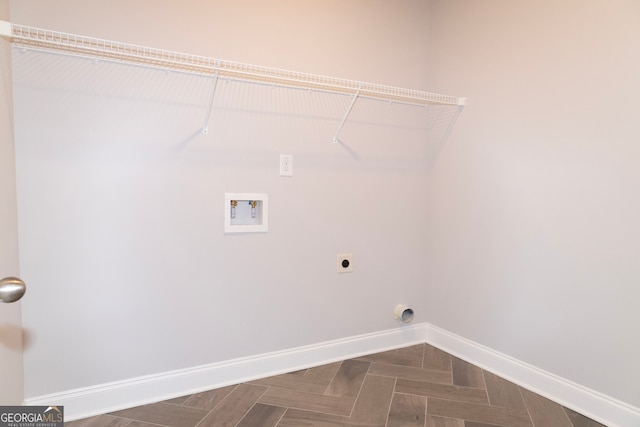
{"x": 346, "y": 115}
{"x": 214, "y": 85}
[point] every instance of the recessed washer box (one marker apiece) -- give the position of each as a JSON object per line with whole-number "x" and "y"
{"x": 246, "y": 213}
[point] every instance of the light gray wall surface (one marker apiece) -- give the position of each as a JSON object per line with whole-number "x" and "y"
{"x": 534, "y": 239}
{"x": 523, "y": 237}
{"x": 11, "y": 378}
{"x": 121, "y": 197}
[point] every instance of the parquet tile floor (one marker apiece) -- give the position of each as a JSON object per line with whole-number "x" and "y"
{"x": 417, "y": 386}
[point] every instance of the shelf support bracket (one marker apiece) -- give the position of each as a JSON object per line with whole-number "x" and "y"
{"x": 214, "y": 85}
{"x": 346, "y": 115}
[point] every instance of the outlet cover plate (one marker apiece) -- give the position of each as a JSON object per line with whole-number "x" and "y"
{"x": 286, "y": 164}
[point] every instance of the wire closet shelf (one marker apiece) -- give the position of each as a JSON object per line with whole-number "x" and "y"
{"x": 37, "y": 38}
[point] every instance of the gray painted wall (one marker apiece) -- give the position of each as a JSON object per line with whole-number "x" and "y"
{"x": 121, "y": 198}
{"x": 523, "y": 237}
{"x": 533, "y": 205}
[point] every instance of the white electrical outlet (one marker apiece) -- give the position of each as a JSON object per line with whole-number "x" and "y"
{"x": 286, "y": 164}
{"x": 344, "y": 263}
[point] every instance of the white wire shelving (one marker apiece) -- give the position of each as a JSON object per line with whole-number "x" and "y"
{"x": 42, "y": 39}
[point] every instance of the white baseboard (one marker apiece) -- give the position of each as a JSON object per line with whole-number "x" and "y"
{"x": 103, "y": 398}
{"x": 602, "y": 408}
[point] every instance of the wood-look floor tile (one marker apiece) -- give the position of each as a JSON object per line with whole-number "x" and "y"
{"x": 416, "y": 386}
{"x": 324, "y": 371}
{"x": 412, "y": 351}
{"x": 84, "y": 422}
{"x": 544, "y": 412}
{"x": 474, "y": 424}
{"x": 295, "y": 382}
{"x": 99, "y": 421}
{"x": 443, "y": 422}
{"x": 141, "y": 424}
{"x": 178, "y": 400}
{"x": 411, "y": 373}
{"x": 436, "y": 359}
{"x": 394, "y": 357}
{"x": 233, "y": 407}
{"x": 165, "y": 414}
{"x": 442, "y": 391}
{"x": 466, "y": 374}
{"x": 479, "y": 413}
{"x": 262, "y": 416}
{"x": 503, "y": 393}
{"x": 208, "y": 399}
{"x": 334, "y": 405}
{"x": 407, "y": 410}
{"x": 348, "y": 379}
{"x": 300, "y": 418}
{"x": 372, "y": 404}
{"x": 579, "y": 420}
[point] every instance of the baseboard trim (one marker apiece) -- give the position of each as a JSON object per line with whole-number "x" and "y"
{"x": 602, "y": 408}
{"x": 90, "y": 401}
